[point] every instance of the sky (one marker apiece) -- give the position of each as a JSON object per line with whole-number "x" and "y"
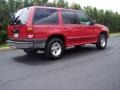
{"x": 113, "y": 5}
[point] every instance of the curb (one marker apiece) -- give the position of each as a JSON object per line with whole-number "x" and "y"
{"x": 6, "y": 49}
{"x": 112, "y": 35}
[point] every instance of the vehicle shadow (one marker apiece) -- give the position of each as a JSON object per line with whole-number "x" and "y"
{"x": 70, "y": 54}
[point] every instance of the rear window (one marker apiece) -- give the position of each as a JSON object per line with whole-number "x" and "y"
{"x": 21, "y": 16}
{"x": 45, "y": 16}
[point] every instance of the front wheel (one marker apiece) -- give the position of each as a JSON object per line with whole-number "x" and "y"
{"x": 102, "y": 42}
{"x": 54, "y": 48}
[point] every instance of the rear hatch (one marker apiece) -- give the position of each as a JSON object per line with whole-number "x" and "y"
{"x": 18, "y": 25}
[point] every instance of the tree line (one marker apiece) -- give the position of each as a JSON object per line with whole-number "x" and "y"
{"x": 8, "y": 7}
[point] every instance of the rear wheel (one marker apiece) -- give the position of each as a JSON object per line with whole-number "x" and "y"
{"x": 30, "y": 51}
{"x": 102, "y": 42}
{"x": 54, "y": 48}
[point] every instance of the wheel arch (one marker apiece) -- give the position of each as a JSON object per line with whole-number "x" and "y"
{"x": 62, "y": 37}
{"x": 103, "y": 32}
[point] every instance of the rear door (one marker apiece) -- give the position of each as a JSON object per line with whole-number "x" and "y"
{"x": 45, "y": 20}
{"x": 18, "y": 26}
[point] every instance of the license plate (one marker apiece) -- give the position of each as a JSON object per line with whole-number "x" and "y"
{"x": 16, "y": 35}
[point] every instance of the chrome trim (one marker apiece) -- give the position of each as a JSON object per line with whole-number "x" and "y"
{"x": 82, "y": 37}
{"x": 20, "y": 45}
{"x": 27, "y": 40}
{"x": 27, "y": 44}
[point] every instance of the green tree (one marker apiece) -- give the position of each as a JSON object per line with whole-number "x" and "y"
{"x": 8, "y": 7}
{"x": 26, "y": 3}
{"x": 62, "y": 3}
{"x": 76, "y": 6}
{"x": 40, "y": 2}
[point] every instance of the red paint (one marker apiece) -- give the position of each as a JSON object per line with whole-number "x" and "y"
{"x": 74, "y": 34}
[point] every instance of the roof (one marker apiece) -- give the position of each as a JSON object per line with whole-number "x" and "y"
{"x": 56, "y": 8}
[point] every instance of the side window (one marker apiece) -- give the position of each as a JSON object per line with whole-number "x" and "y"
{"x": 45, "y": 16}
{"x": 83, "y": 18}
{"x": 69, "y": 17}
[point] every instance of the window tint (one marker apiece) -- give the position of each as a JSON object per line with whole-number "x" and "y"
{"x": 69, "y": 17}
{"x": 83, "y": 18}
{"x": 21, "y": 15}
{"x": 45, "y": 16}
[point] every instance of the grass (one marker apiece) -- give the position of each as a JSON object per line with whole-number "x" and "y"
{"x": 4, "y": 45}
{"x": 114, "y": 34}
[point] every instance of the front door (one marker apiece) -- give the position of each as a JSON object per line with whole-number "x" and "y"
{"x": 86, "y": 31}
{"x": 78, "y": 28}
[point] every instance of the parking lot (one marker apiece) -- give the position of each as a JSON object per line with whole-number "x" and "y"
{"x": 85, "y": 68}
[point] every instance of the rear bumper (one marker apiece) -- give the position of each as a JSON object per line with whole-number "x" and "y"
{"x": 27, "y": 44}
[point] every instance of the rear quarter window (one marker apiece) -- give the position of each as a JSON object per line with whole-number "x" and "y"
{"x": 45, "y": 16}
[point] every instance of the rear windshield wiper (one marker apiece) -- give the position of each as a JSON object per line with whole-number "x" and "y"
{"x": 14, "y": 20}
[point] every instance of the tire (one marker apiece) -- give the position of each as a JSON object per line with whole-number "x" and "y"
{"x": 30, "y": 51}
{"x": 54, "y": 49}
{"x": 102, "y": 42}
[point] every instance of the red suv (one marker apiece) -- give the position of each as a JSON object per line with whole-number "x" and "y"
{"x": 53, "y": 29}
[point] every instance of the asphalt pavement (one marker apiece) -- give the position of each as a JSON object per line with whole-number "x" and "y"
{"x": 85, "y": 68}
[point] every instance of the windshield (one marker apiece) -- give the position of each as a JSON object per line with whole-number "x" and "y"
{"x": 21, "y": 16}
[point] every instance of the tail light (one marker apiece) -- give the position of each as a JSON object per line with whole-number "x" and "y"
{"x": 30, "y": 32}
